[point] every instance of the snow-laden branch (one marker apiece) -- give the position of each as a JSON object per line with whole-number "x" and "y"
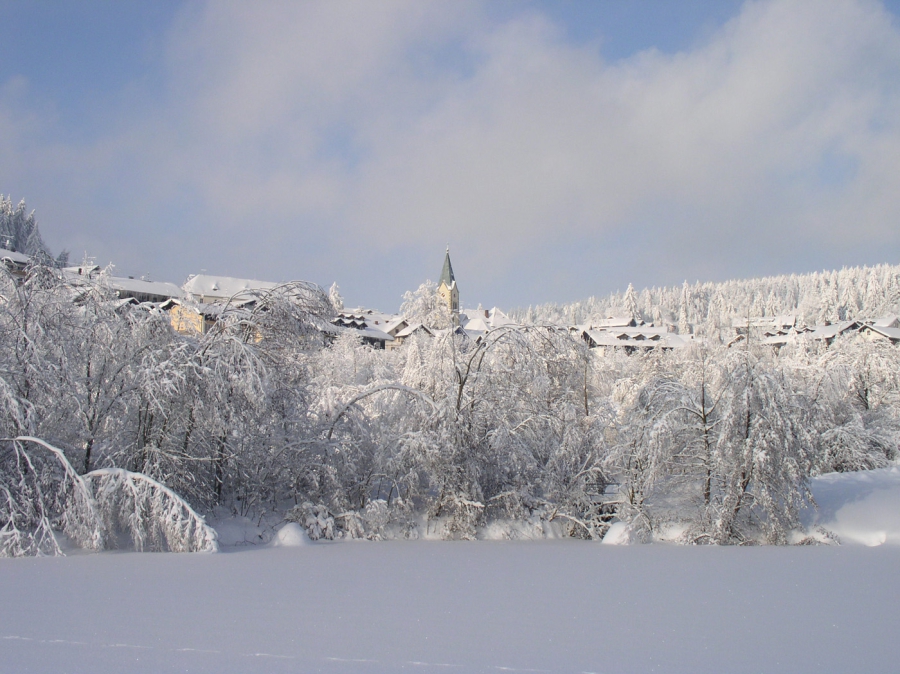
{"x": 157, "y": 518}
{"x": 372, "y": 391}
{"x": 40, "y": 496}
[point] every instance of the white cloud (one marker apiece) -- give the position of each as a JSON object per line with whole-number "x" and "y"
{"x": 382, "y": 126}
{"x": 546, "y": 139}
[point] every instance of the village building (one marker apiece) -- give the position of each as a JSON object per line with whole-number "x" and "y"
{"x": 191, "y": 319}
{"x": 410, "y": 330}
{"x": 125, "y": 287}
{"x": 15, "y": 263}
{"x": 360, "y": 322}
{"x": 886, "y": 328}
{"x": 632, "y": 338}
{"x": 195, "y": 308}
{"x": 828, "y": 333}
{"x": 629, "y": 333}
{"x": 141, "y": 290}
{"x": 209, "y": 289}
{"x": 878, "y": 334}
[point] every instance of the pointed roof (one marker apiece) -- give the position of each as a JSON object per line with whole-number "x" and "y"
{"x": 447, "y": 277}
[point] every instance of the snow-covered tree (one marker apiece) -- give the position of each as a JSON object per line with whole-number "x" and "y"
{"x": 631, "y": 304}
{"x": 19, "y": 230}
{"x": 334, "y": 294}
{"x": 425, "y": 305}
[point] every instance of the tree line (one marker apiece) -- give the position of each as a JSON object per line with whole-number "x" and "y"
{"x": 709, "y": 309}
{"x": 112, "y": 421}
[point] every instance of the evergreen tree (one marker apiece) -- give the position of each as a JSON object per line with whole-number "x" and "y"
{"x": 19, "y": 230}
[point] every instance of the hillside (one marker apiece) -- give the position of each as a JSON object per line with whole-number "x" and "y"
{"x": 851, "y": 293}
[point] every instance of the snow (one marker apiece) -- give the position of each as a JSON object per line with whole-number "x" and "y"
{"x": 487, "y": 606}
{"x": 223, "y": 287}
{"x": 291, "y": 535}
{"x": 476, "y": 325}
{"x": 889, "y": 321}
{"x": 861, "y": 507}
{"x": 375, "y": 333}
{"x": 892, "y": 333}
{"x": 411, "y": 329}
{"x": 619, "y": 534}
{"x": 139, "y": 286}
{"x": 14, "y": 256}
{"x": 638, "y": 337}
{"x": 832, "y": 331}
{"x": 555, "y": 606}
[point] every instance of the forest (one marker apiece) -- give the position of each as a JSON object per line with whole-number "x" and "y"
{"x": 707, "y": 308}
{"x": 119, "y": 431}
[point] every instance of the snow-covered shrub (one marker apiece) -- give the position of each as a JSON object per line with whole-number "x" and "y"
{"x": 316, "y": 519}
{"x": 376, "y": 517}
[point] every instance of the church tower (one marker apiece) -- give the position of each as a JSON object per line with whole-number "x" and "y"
{"x": 447, "y": 289}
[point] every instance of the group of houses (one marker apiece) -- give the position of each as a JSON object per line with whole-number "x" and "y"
{"x": 194, "y": 308}
{"x": 781, "y": 330}
{"x": 390, "y": 331}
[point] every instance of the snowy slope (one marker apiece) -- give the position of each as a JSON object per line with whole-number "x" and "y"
{"x": 861, "y": 507}
{"x": 556, "y": 606}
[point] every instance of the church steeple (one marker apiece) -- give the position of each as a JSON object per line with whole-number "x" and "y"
{"x": 448, "y": 290}
{"x": 447, "y": 277}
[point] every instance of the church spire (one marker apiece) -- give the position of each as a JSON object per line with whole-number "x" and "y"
{"x": 448, "y": 290}
{"x": 447, "y": 277}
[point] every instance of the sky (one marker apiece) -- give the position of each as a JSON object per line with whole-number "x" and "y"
{"x": 561, "y": 149}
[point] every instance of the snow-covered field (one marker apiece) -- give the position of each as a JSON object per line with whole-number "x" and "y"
{"x": 486, "y": 606}
{"x": 469, "y": 607}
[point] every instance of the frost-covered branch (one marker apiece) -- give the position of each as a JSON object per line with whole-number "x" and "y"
{"x": 155, "y": 517}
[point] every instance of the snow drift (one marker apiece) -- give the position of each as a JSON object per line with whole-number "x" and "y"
{"x": 860, "y": 507}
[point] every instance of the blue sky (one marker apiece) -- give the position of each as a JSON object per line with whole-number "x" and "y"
{"x": 562, "y": 149}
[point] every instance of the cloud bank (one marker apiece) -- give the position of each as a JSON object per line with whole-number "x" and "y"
{"x": 352, "y": 141}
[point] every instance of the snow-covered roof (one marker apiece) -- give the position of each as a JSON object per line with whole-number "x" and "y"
{"x": 889, "y": 321}
{"x": 476, "y": 324}
{"x": 613, "y": 322}
{"x": 13, "y": 256}
{"x": 155, "y": 291}
{"x": 362, "y": 322}
{"x": 637, "y": 338}
{"x": 892, "y": 334}
{"x": 491, "y": 319}
{"x": 348, "y": 320}
{"x": 474, "y": 335}
{"x": 374, "y": 333}
{"x": 647, "y": 330}
{"x": 779, "y": 339}
{"x": 833, "y": 330}
{"x": 410, "y": 329}
{"x": 223, "y": 287}
{"x": 395, "y": 325}
{"x": 497, "y": 319}
{"x": 139, "y": 286}
{"x": 783, "y": 336}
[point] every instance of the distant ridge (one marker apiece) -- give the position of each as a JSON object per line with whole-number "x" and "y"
{"x": 814, "y": 298}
